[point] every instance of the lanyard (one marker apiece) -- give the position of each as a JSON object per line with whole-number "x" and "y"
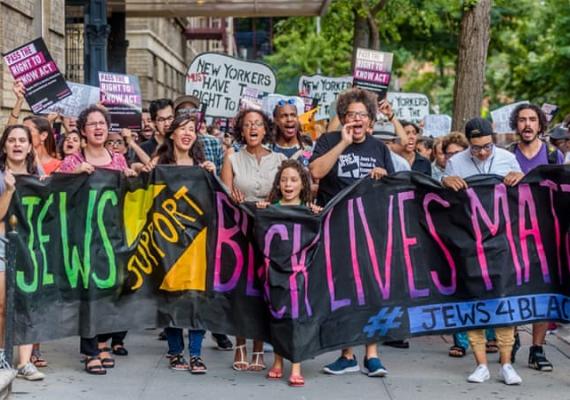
{"x": 483, "y": 171}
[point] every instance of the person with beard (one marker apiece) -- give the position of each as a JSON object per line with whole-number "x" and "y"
{"x": 529, "y": 122}
{"x": 482, "y": 157}
{"x": 409, "y": 152}
{"x": 559, "y": 137}
{"x": 147, "y": 131}
{"x": 339, "y": 160}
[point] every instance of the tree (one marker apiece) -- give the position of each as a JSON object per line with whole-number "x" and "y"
{"x": 472, "y": 58}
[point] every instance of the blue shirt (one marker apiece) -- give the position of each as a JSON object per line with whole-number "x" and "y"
{"x": 464, "y": 165}
{"x": 213, "y": 151}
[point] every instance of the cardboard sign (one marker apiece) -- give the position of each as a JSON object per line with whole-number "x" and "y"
{"x": 411, "y": 107}
{"x": 121, "y": 95}
{"x": 501, "y": 117}
{"x": 219, "y": 81}
{"x": 82, "y": 96}
{"x": 437, "y": 125}
{"x": 325, "y": 89}
{"x": 373, "y": 70}
{"x": 33, "y": 65}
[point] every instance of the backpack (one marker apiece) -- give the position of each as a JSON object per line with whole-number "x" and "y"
{"x": 551, "y": 152}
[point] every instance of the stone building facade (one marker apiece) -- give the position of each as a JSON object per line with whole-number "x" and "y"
{"x": 22, "y": 21}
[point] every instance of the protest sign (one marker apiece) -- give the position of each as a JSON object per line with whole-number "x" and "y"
{"x": 373, "y": 70}
{"x": 325, "y": 89}
{"x": 411, "y": 107}
{"x": 501, "y": 117}
{"x": 385, "y": 259}
{"x": 250, "y": 99}
{"x": 121, "y": 95}
{"x": 33, "y": 65}
{"x": 436, "y": 125}
{"x": 219, "y": 81}
{"x": 82, "y": 96}
{"x": 550, "y": 111}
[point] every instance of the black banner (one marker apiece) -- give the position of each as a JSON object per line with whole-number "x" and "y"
{"x": 386, "y": 259}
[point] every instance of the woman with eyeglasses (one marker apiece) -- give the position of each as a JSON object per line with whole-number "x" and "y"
{"x": 249, "y": 174}
{"x": 125, "y": 143}
{"x": 93, "y": 124}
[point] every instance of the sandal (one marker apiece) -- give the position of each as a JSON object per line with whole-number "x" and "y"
{"x": 491, "y": 347}
{"x": 92, "y": 368}
{"x": 106, "y": 362}
{"x": 457, "y": 351}
{"x": 241, "y": 364}
{"x": 37, "y": 359}
{"x": 275, "y": 373}
{"x": 120, "y": 350}
{"x": 255, "y": 365}
{"x": 197, "y": 366}
{"x": 296, "y": 381}
{"x": 178, "y": 363}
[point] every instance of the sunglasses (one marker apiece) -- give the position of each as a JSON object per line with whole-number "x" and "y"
{"x": 284, "y": 102}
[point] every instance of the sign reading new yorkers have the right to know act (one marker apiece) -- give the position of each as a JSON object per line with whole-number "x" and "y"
{"x": 219, "y": 82}
{"x": 33, "y": 65}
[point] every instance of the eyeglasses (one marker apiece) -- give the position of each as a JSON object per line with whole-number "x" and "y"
{"x": 249, "y": 125}
{"x": 96, "y": 123}
{"x": 284, "y": 102}
{"x": 478, "y": 149}
{"x": 118, "y": 142}
{"x": 354, "y": 114}
{"x": 161, "y": 120}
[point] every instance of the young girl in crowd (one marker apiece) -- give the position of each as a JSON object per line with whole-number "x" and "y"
{"x": 182, "y": 148}
{"x": 291, "y": 187}
{"x": 17, "y": 157}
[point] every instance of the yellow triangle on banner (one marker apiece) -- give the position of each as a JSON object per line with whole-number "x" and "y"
{"x": 189, "y": 271}
{"x": 135, "y": 209}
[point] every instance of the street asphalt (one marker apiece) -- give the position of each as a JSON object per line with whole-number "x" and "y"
{"x": 423, "y": 372}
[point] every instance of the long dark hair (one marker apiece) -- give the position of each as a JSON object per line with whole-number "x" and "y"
{"x": 165, "y": 152}
{"x": 305, "y": 195}
{"x": 31, "y": 166}
{"x": 42, "y": 125}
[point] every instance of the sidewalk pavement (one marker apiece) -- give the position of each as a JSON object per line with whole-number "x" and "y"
{"x": 422, "y": 372}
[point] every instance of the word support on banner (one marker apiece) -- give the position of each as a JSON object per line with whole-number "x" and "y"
{"x": 385, "y": 259}
{"x": 121, "y": 95}
{"x": 325, "y": 89}
{"x": 219, "y": 81}
{"x": 33, "y": 65}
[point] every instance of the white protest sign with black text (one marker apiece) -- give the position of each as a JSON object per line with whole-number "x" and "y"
{"x": 436, "y": 125}
{"x": 411, "y": 107}
{"x": 324, "y": 88}
{"x": 501, "y": 117}
{"x": 82, "y": 96}
{"x": 219, "y": 81}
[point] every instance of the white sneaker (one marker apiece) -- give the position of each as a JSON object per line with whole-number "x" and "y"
{"x": 509, "y": 375}
{"x": 30, "y": 373}
{"x": 480, "y": 375}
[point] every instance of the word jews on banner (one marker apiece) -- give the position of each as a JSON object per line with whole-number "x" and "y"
{"x": 386, "y": 259}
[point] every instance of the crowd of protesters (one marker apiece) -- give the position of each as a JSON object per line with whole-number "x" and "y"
{"x": 267, "y": 159}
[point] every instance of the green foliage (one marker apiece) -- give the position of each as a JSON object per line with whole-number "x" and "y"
{"x": 529, "y": 52}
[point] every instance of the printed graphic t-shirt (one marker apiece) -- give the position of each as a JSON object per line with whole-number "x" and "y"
{"x": 355, "y": 162}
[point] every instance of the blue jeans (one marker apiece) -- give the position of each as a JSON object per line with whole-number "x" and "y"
{"x": 175, "y": 338}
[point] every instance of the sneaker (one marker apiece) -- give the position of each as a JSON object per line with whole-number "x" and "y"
{"x": 30, "y": 373}
{"x": 223, "y": 343}
{"x": 342, "y": 366}
{"x": 509, "y": 375}
{"x": 537, "y": 359}
{"x": 480, "y": 375}
{"x": 373, "y": 367}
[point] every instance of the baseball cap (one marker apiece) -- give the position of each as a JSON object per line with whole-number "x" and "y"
{"x": 186, "y": 99}
{"x": 478, "y": 127}
{"x": 559, "y": 133}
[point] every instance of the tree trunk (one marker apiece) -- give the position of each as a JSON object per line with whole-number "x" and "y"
{"x": 471, "y": 61}
{"x": 361, "y": 34}
{"x": 373, "y": 33}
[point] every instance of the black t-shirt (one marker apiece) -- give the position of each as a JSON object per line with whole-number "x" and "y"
{"x": 421, "y": 164}
{"x": 149, "y": 147}
{"x": 355, "y": 162}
